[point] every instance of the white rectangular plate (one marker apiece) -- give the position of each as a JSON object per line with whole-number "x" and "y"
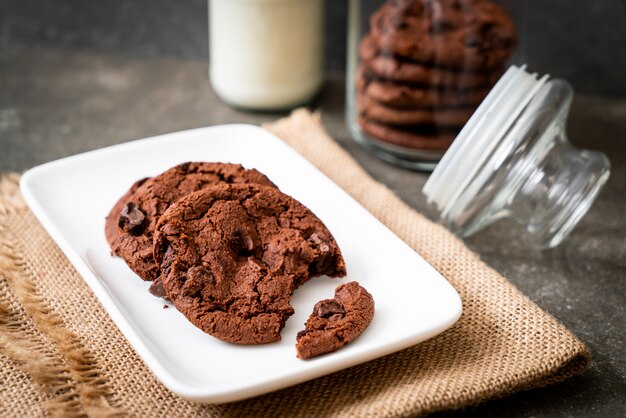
{"x": 72, "y": 196}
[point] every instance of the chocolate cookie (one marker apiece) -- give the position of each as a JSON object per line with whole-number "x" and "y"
{"x": 231, "y": 256}
{"x": 407, "y": 95}
{"x": 140, "y": 212}
{"x": 416, "y": 138}
{"x": 469, "y": 34}
{"x": 391, "y": 68}
{"x": 336, "y": 322}
{"x": 111, "y": 228}
{"x": 376, "y": 111}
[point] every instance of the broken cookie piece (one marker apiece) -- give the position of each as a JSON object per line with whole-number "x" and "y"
{"x": 336, "y": 322}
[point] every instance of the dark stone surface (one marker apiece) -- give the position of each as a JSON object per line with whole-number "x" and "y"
{"x": 56, "y": 102}
{"x": 583, "y": 41}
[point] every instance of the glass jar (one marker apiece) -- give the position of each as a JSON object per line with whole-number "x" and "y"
{"x": 513, "y": 160}
{"x": 266, "y": 54}
{"x": 417, "y": 70}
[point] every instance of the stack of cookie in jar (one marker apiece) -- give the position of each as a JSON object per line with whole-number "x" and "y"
{"x": 425, "y": 65}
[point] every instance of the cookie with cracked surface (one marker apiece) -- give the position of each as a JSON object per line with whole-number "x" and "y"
{"x": 388, "y": 67}
{"x": 336, "y": 322}
{"x": 231, "y": 256}
{"x": 407, "y": 116}
{"x": 410, "y": 95}
{"x": 420, "y": 138}
{"x": 471, "y": 34}
{"x": 140, "y": 212}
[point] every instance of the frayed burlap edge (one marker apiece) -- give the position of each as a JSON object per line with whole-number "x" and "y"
{"x": 83, "y": 392}
{"x": 47, "y": 371}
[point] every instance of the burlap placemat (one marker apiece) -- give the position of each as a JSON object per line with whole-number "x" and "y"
{"x": 60, "y": 353}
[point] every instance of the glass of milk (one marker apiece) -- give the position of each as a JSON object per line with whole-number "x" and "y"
{"x": 266, "y": 54}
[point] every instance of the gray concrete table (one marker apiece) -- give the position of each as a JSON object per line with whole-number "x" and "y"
{"x": 55, "y": 103}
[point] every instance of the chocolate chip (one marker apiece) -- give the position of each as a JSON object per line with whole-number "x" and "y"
{"x": 323, "y": 247}
{"x": 156, "y": 288}
{"x": 184, "y": 167}
{"x": 329, "y": 308}
{"x": 131, "y": 218}
{"x": 197, "y": 277}
{"x": 243, "y": 243}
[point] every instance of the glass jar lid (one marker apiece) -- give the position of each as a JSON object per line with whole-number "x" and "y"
{"x": 512, "y": 159}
